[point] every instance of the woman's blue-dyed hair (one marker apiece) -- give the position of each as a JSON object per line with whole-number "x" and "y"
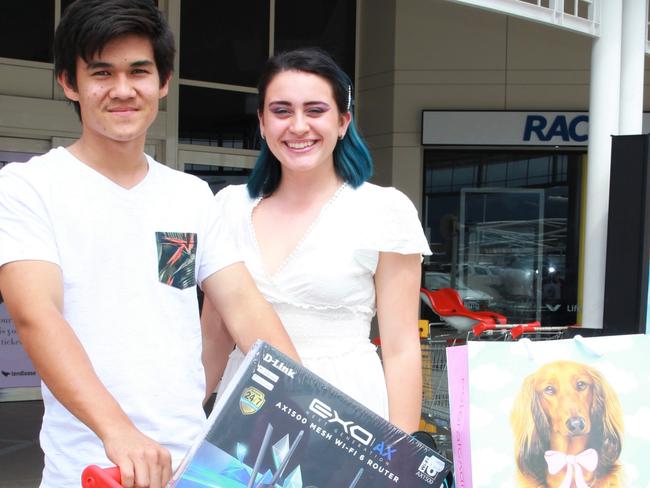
{"x": 352, "y": 160}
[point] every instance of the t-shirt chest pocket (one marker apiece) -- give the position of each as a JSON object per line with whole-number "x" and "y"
{"x": 177, "y": 258}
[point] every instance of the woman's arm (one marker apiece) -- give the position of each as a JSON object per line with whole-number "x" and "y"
{"x": 397, "y": 282}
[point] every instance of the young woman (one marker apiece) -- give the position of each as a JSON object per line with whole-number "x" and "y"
{"x": 326, "y": 248}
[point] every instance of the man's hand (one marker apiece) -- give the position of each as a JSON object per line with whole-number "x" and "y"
{"x": 33, "y": 292}
{"x": 143, "y": 463}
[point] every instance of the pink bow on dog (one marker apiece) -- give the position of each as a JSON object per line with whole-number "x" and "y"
{"x": 558, "y": 460}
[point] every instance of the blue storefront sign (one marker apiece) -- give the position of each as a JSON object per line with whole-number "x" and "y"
{"x": 507, "y": 128}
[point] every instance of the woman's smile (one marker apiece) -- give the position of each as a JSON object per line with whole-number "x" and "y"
{"x": 300, "y": 145}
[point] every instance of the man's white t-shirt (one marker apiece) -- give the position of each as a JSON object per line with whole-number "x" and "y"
{"x": 129, "y": 261}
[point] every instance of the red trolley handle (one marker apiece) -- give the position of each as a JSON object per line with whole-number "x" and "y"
{"x": 96, "y": 477}
{"x": 481, "y": 327}
{"x": 521, "y": 329}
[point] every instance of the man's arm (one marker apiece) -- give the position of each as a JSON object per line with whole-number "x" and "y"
{"x": 247, "y": 315}
{"x": 33, "y": 292}
{"x": 217, "y": 346}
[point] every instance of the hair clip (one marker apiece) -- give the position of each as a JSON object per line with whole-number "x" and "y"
{"x": 349, "y": 97}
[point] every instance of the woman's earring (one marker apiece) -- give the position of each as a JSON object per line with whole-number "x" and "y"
{"x": 262, "y": 135}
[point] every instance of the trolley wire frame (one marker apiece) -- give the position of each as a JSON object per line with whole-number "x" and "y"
{"x": 435, "y": 388}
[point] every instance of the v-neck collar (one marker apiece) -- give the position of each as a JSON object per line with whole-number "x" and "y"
{"x": 310, "y": 229}
{"x": 112, "y": 185}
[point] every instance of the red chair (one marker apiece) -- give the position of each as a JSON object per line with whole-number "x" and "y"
{"x": 447, "y": 304}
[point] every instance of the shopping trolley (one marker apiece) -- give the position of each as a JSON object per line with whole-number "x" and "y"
{"x": 435, "y": 390}
{"x": 512, "y": 332}
{"x": 435, "y": 396}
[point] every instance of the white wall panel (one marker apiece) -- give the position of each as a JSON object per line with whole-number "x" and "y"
{"x": 55, "y": 117}
{"x": 25, "y": 81}
{"x": 437, "y": 35}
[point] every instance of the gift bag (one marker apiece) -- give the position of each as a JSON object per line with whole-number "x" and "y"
{"x": 458, "y": 385}
{"x": 556, "y": 414}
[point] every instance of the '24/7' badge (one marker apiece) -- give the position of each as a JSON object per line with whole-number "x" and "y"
{"x": 251, "y": 400}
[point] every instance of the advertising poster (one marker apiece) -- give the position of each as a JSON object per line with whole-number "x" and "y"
{"x": 16, "y": 370}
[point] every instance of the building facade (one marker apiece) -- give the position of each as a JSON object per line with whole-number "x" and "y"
{"x": 501, "y": 192}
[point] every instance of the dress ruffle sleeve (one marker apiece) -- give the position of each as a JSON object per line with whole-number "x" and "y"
{"x": 392, "y": 225}
{"x": 229, "y": 198}
{"x": 231, "y": 206}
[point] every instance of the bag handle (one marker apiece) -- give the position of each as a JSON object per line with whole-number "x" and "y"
{"x": 587, "y": 347}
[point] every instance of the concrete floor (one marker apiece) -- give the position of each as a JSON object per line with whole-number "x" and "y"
{"x": 21, "y": 459}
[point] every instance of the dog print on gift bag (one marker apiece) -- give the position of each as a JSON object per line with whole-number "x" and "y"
{"x": 567, "y": 424}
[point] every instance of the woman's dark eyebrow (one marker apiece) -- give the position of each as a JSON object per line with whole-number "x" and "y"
{"x": 282, "y": 103}
{"x": 310, "y": 104}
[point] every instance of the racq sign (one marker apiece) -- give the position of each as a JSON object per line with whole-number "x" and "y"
{"x": 486, "y": 128}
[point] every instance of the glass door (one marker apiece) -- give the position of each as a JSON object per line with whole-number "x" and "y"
{"x": 500, "y": 247}
{"x": 503, "y": 226}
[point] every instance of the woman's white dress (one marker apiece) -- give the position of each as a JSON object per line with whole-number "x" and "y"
{"x": 324, "y": 291}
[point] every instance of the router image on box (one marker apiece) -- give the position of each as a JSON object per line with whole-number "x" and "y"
{"x": 278, "y": 425}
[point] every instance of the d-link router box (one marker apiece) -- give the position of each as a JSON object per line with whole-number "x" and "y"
{"x": 280, "y": 426}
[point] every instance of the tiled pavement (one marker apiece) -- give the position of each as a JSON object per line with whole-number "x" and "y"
{"x": 21, "y": 459}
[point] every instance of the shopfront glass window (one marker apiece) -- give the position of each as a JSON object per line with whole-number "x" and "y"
{"x": 218, "y": 177}
{"x": 224, "y": 42}
{"x": 218, "y": 118}
{"x": 331, "y": 26}
{"x": 503, "y": 227}
{"x": 223, "y": 48}
{"x": 27, "y": 29}
{"x": 66, "y": 3}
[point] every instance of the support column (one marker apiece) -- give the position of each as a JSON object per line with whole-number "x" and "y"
{"x": 171, "y": 136}
{"x": 632, "y": 66}
{"x": 604, "y": 106}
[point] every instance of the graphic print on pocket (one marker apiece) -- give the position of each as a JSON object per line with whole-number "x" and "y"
{"x": 176, "y": 258}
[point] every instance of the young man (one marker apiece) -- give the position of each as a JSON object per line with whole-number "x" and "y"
{"x": 100, "y": 251}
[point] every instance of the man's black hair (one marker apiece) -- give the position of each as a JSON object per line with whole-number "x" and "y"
{"x": 88, "y": 25}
